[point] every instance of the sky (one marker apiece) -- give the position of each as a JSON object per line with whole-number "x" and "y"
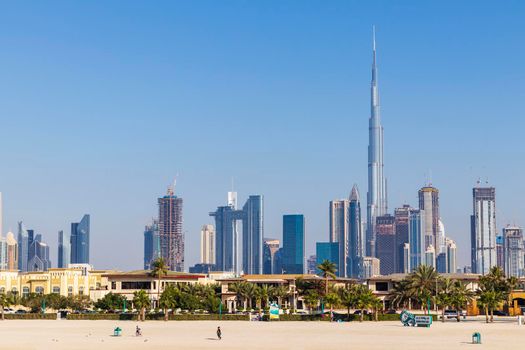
{"x": 103, "y": 104}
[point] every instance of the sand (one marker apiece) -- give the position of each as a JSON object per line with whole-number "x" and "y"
{"x": 62, "y": 334}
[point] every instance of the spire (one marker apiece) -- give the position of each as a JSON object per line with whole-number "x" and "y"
{"x": 374, "y": 68}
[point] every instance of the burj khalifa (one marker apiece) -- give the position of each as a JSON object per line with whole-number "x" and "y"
{"x": 376, "y": 196}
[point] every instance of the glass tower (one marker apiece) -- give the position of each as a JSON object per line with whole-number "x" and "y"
{"x": 293, "y": 244}
{"x": 80, "y": 241}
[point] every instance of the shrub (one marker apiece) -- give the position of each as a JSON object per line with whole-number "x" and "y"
{"x": 36, "y": 316}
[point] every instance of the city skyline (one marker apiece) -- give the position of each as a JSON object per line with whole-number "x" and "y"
{"x": 446, "y": 81}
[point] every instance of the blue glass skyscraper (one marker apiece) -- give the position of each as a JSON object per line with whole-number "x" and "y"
{"x": 327, "y": 251}
{"x": 80, "y": 241}
{"x": 64, "y": 249}
{"x": 23, "y": 247}
{"x": 293, "y": 244}
{"x": 151, "y": 244}
{"x": 252, "y": 235}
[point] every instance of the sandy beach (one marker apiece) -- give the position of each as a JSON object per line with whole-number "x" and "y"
{"x": 39, "y": 334}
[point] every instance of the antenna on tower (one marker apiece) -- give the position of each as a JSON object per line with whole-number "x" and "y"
{"x": 171, "y": 189}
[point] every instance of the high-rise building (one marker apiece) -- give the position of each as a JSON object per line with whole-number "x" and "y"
{"x": 252, "y": 235}
{"x": 357, "y": 241}
{"x": 500, "y": 252}
{"x": 429, "y": 202}
{"x": 208, "y": 244}
{"x": 416, "y": 236}
{"x": 451, "y": 255}
{"x": 227, "y": 235}
{"x": 430, "y": 256}
{"x": 271, "y": 247}
{"x": 483, "y": 229}
{"x": 339, "y": 225}
{"x": 441, "y": 263}
{"x": 376, "y": 196}
{"x": 227, "y": 245}
{"x": 326, "y": 251}
{"x": 514, "y": 251}
{"x": 64, "y": 249}
{"x": 12, "y": 252}
{"x": 368, "y": 267}
{"x": 386, "y": 243}
{"x": 293, "y": 244}
{"x": 441, "y": 238}
{"x": 80, "y": 241}
{"x": 311, "y": 265}
{"x": 151, "y": 244}
{"x": 401, "y": 216}
{"x": 23, "y": 247}
{"x": 406, "y": 258}
{"x": 170, "y": 230}
{"x": 3, "y": 253}
{"x": 38, "y": 258}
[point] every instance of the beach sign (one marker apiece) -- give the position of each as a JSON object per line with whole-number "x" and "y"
{"x": 274, "y": 312}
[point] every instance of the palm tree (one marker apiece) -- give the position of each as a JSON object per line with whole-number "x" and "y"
{"x": 488, "y": 300}
{"x": 347, "y": 298}
{"x": 512, "y": 284}
{"x": 238, "y": 289}
{"x": 159, "y": 269}
{"x": 401, "y": 294}
{"x": 168, "y": 300}
{"x": 377, "y": 305}
{"x": 443, "y": 297}
{"x": 311, "y": 299}
{"x": 141, "y": 302}
{"x": 332, "y": 299}
{"x": 327, "y": 269}
{"x": 264, "y": 293}
{"x": 280, "y": 293}
{"x": 461, "y": 296}
{"x": 422, "y": 282}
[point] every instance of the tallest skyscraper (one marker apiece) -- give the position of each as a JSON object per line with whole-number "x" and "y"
{"x": 376, "y": 196}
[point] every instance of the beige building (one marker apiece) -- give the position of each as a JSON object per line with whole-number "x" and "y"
{"x": 208, "y": 244}
{"x": 78, "y": 279}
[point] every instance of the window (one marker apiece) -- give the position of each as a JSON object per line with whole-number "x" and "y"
{"x": 382, "y": 286}
{"x": 81, "y": 290}
{"x": 39, "y": 290}
{"x": 69, "y": 291}
{"x": 25, "y": 291}
{"x": 113, "y": 285}
{"x": 56, "y": 290}
{"x": 14, "y": 290}
{"x": 136, "y": 285}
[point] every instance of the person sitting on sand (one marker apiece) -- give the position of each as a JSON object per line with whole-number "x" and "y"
{"x": 138, "y": 332}
{"x": 219, "y": 333}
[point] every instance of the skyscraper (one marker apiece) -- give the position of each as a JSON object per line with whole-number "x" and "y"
{"x": 326, "y": 251}
{"x": 483, "y": 230}
{"x": 376, "y": 196}
{"x": 208, "y": 244}
{"x": 451, "y": 255}
{"x": 386, "y": 243}
{"x": 416, "y": 236}
{"x": 500, "y": 252}
{"x": 12, "y": 252}
{"x": 430, "y": 256}
{"x": 170, "y": 230}
{"x": 357, "y": 241}
{"x": 429, "y": 202}
{"x": 227, "y": 235}
{"x": 80, "y": 241}
{"x": 311, "y": 265}
{"x": 402, "y": 218}
{"x": 23, "y": 247}
{"x": 514, "y": 251}
{"x": 64, "y": 249}
{"x": 38, "y": 257}
{"x": 293, "y": 244}
{"x": 3, "y": 253}
{"x": 252, "y": 235}
{"x": 271, "y": 247}
{"x": 339, "y": 225}
{"x": 151, "y": 244}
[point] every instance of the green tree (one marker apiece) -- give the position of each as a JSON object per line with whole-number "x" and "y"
{"x": 364, "y": 300}
{"x": 168, "y": 300}
{"x": 279, "y": 293}
{"x": 347, "y": 297}
{"x": 328, "y": 270}
{"x": 461, "y": 296}
{"x": 332, "y": 299}
{"x": 422, "y": 283}
{"x": 311, "y": 299}
{"x": 6, "y": 300}
{"x": 159, "y": 268}
{"x": 141, "y": 302}
{"x": 110, "y": 301}
{"x": 488, "y": 300}
{"x": 444, "y": 295}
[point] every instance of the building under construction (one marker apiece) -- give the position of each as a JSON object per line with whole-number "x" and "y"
{"x": 170, "y": 231}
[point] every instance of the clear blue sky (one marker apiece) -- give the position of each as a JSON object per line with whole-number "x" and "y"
{"x": 103, "y": 103}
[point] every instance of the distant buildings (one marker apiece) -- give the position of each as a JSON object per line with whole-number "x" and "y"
{"x": 326, "y": 251}
{"x": 227, "y": 235}
{"x": 64, "y": 249}
{"x": 38, "y": 257}
{"x": 416, "y": 236}
{"x": 151, "y": 244}
{"x": 270, "y": 256}
{"x": 311, "y": 265}
{"x": 386, "y": 243}
{"x": 429, "y": 204}
{"x": 514, "y": 251}
{"x": 401, "y": 216}
{"x": 207, "y": 244}
{"x": 80, "y": 241}
{"x": 483, "y": 230}
{"x": 23, "y": 247}
{"x": 500, "y": 252}
{"x": 357, "y": 238}
{"x": 170, "y": 230}
{"x": 368, "y": 267}
{"x": 293, "y": 244}
{"x": 339, "y": 225}
{"x": 451, "y": 255}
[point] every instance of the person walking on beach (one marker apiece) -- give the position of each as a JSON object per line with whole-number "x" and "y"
{"x": 219, "y": 333}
